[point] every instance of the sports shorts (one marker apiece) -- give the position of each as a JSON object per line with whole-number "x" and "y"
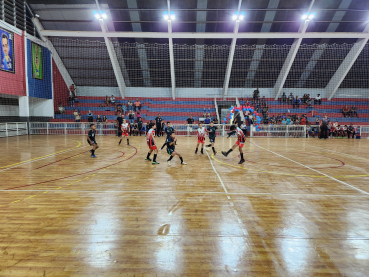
{"x": 240, "y": 144}
{"x": 170, "y": 151}
{"x": 212, "y": 140}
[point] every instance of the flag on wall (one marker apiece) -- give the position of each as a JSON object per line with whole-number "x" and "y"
{"x": 7, "y": 51}
{"x": 37, "y": 62}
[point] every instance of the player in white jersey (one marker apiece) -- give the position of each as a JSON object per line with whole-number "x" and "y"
{"x": 240, "y": 142}
{"x": 201, "y": 131}
{"x": 151, "y": 143}
{"x": 125, "y": 130}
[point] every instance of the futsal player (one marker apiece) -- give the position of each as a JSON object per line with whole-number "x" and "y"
{"x": 171, "y": 148}
{"x": 211, "y": 130}
{"x": 240, "y": 142}
{"x": 124, "y": 130}
{"x": 169, "y": 131}
{"x": 91, "y": 140}
{"x": 151, "y": 143}
{"x": 200, "y": 138}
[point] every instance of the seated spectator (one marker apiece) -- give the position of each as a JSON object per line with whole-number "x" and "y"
{"x": 124, "y": 108}
{"x": 138, "y": 115}
{"x": 190, "y": 120}
{"x": 130, "y": 105}
{"x": 90, "y": 116}
{"x": 61, "y": 108}
{"x": 112, "y": 100}
{"x": 131, "y": 117}
{"x": 77, "y": 115}
{"x": 118, "y": 108}
{"x": 284, "y": 116}
{"x": 290, "y": 98}
{"x": 278, "y": 117}
{"x": 104, "y": 119}
{"x": 308, "y": 101}
{"x": 247, "y": 103}
{"x": 302, "y": 121}
{"x": 207, "y": 120}
{"x": 98, "y": 118}
{"x": 346, "y": 111}
{"x": 317, "y": 120}
{"x": 303, "y": 99}
{"x": 265, "y": 111}
{"x": 284, "y": 121}
{"x": 296, "y": 102}
{"x": 284, "y": 98}
{"x": 353, "y": 111}
{"x": 288, "y": 120}
{"x": 350, "y": 131}
{"x": 215, "y": 120}
{"x": 107, "y": 101}
{"x": 255, "y": 95}
{"x": 318, "y": 99}
{"x": 137, "y": 105}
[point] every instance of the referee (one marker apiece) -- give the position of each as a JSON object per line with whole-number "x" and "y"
{"x": 324, "y": 128}
{"x": 119, "y": 124}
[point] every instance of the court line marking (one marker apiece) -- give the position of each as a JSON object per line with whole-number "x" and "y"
{"x": 343, "y": 154}
{"x": 194, "y": 192}
{"x": 216, "y": 172}
{"x": 339, "y": 181}
{"x": 43, "y": 157}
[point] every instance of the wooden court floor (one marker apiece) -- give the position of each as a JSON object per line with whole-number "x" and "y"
{"x": 297, "y": 207}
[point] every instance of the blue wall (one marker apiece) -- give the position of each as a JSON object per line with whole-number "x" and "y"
{"x": 39, "y": 88}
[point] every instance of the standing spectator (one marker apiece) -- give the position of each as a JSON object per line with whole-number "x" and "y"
{"x": 317, "y": 120}
{"x": 137, "y": 105}
{"x": 131, "y": 117}
{"x": 324, "y": 128}
{"x": 90, "y": 116}
{"x": 138, "y": 114}
{"x": 130, "y": 105}
{"x": 77, "y": 115}
{"x": 98, "y": 118}
{"x": 263, "y": 101}
{"x": 296, "y": 102}
{"x": 190, "y": 120}
{"x": 139, "y": 125}
{"x": 119, "y": 122}
{"x": 72, "y": 89}
{"x": 61, "y": 108}
{"x": 158, "y": 121}
{"x": 350, "y": 131}
{"x": 353, "y": 111}
{"x": 284, "y": 98}
{"x": 124, "y": 108}
{"x": 290, "y": 98}
{"x": 346, "y": 111}
{"x": 256, "y": 94}
{"x": 107, "y": 101}
{"x": 112, "y": 100}
{"x": 318, "y": 99}
{"x": 265, "y": 111}
{"x": 71, "y": 100}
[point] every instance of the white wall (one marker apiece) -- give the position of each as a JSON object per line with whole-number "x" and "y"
{"x": 41, "y": 107}
{"x": 9, "y": 110}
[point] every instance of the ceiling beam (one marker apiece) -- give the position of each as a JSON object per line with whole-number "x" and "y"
{"x": 256, "y": 35}
{"x": 171, "y": 54}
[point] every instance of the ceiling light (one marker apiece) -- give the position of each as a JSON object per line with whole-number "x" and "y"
{"x": 304, "y": 16}
{"x": 234, "y": 17}
{"x": 97, "y": 16}
{"x": 172, "y": 17}
{"x": 103, "y": 15}
{"x": 311, "y": 16}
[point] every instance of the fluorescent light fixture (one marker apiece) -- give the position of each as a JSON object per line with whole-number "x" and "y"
{"x": 304, "y": 17}
{"x": 311, "y": 16}
{"x": 166, "y": 17}
{"x": 103, "y": 15}
{"x": 234, "y": 17}
{"x": 242, "y": 16}
{"x": 172, "y": 17}
{"x": 97, "y": 16}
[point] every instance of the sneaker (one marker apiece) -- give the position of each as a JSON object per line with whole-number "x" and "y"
{"x": 93, "y": 156}
{"x": 155, "y": 163}
{"x": 224, "y": 153}
{"x": 195, "y": 152}
{"x": 183, "y": 163}
{"x": 202, "y": 152}
{"x": 147, "y": 159}
{"x": 168, "y": 162}
{"x": 119, "y": 143}
{"x": 215, "y": 153}
{"x": 241, "y": 161}
{"x": 160, "y": 149}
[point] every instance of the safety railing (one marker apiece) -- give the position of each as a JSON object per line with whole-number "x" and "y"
{"x": 12, "y": 129}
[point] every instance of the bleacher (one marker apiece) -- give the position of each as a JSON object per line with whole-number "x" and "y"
{"x": 333, "y": 109}
{"x": 175, "y": 111}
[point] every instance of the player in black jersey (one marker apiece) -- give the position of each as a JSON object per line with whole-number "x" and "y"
{"x": 211, "y": 130}
{"x": 91, "y": 140}
{"x": 171, "y": 148}
{"x": 169, "y": 131}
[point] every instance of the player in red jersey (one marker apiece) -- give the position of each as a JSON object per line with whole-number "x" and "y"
{"x": 125, "y": 131}
{"x": 240, "y": 142}
{"x": 201, "y": 131}
{"x": 151, "y": 143}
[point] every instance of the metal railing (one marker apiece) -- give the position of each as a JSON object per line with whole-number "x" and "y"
{"x": 12, "y": 129}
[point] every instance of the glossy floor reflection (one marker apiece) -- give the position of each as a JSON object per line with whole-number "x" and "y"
{"x": 297, "y": 207}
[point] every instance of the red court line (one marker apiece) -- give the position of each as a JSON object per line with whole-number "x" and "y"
{"x": 62, "y": 178}
{"x": 61, "y": 160}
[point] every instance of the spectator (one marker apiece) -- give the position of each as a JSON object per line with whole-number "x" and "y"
{"x": 290, "y": 98}
{"x": 77, "y": 115}
{"x": 104, "y": 119}
{"x": 107, "y": 101}
{"x": 288, "y": 120}
{"x": 124, "y": 109}
{"x": 256, "y": 94}
{"x": 119, "y": 122}
{"x": 317, "y": 120}
{"x": 324, "y": 128}
{"x": 190, "y": 120}
{"x": 71, "y": 100}
{"x": 130, "y": 105}
{"x": 350, "y": 131}
{"x": 72, "y": 89}
{"x": 118, "y": 108}
{"x": 207, "y": 120}
{"x": 265, "y": 111}
{"x": 158, "y": 121}
{"x": 137, "y": 105}
{"x": 284, "y": 116}
{"x": 61, "y": 108}
{"x": 98, "y": 118}
{"x": 353, "y": 111}
{"x": 284, "y": 121}
{"x": 112, "y": 100}
{"x": 303, "y": 121}
{"x": 244, "y": 128}
{"x": 131, "y": 117}
{"x": 346, "y": 111}
{"x": 318, "y": 99}
{"x": 90, "y": 116}
{"x": 215, "y": 120}
{"x": 263, "y": 101}
{"x": 308, "y": 101}
{"x": 284, "y": 98}
{"x": 296, "y": 102}
{"x": 138, "y": 115}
